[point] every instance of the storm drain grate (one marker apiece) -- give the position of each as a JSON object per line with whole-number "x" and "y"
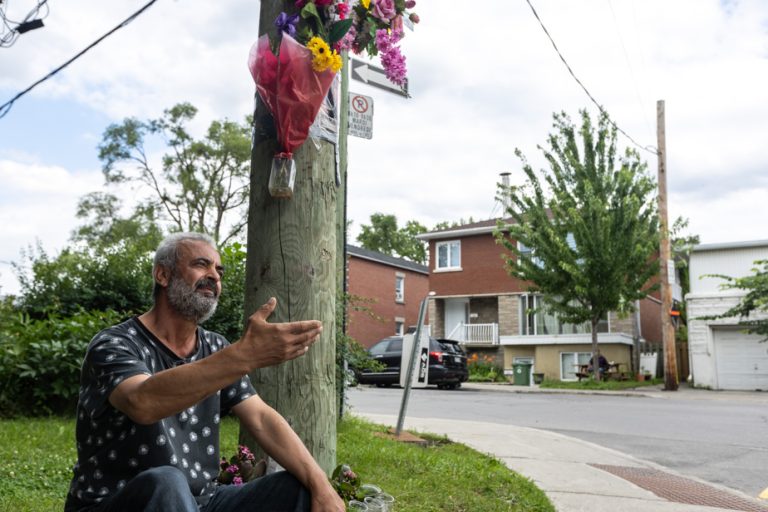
{"x": 681, "y": 490}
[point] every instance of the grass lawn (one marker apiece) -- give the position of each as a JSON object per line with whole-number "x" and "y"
{"x": 38, "y": 454}
{"x": 607, "y": 385}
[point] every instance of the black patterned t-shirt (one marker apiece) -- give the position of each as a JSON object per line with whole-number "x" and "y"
{"x": 112, "y": 449}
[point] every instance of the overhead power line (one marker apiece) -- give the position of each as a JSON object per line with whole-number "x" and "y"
{"x": 6, "y": 107}
{"x": 10, "y": 33}
{"x": 649, "y": 149}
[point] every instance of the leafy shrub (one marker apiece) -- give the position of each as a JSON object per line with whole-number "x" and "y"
{"x": 484, "y": 369}
{"x": 117, "y": 278}
{"x": 40, "y": 359}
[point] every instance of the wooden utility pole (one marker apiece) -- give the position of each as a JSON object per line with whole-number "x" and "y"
{"x": 667, "y": 329}
{"x": 292, "y": 248}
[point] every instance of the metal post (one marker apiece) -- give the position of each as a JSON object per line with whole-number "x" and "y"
{"x": 411, "y": 361}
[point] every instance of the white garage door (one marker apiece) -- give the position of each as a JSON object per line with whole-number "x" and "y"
{"x": 741, "y": 360}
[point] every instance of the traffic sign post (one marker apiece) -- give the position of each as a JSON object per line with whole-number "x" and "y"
{"x": 360, "y": 116}
{"x": 411, "y": 358}
{"x": 371, "y": 75}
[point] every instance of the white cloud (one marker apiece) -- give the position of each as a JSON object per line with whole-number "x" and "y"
{"x": 37, "y": 202}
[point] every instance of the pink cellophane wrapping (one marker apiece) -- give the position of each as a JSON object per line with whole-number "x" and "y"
{"x": 291, "y": 89}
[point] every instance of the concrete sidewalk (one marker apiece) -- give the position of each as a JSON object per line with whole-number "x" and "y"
{"x": 657, "y": 391}
{"x": 580, "y": 476}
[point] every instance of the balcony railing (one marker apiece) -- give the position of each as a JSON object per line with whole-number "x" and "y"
{"x": 476, "y": 334}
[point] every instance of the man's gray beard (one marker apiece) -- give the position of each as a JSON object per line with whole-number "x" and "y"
{"x": 188, "y": 303}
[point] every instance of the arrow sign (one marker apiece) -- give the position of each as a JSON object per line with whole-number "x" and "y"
{"x": 376, "y": 77}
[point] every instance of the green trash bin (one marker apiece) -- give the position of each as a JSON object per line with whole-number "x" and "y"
{"x": 522, "y": 374}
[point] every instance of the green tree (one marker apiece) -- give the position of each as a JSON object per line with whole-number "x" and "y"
{"x": 228, "y": 318}
{"x": 682, "y": 244}
{"x": 754, "y": 302}
{"x": 384, "y": 235}
{"x": 107, "y": 266}
{"x": 452, "y": 224}
{"x": 587, "y": 244}
{"x": 201, "y": 185}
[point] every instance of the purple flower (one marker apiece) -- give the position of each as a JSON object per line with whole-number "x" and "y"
{"x": 385, "y": 40}
{"x": 232, "y": 469}
{"x": 287, "y": 23}
{"x": 237, "y": 481}
{"x": 383, "y": 9}
{"x": 410, "y": 4}
{"x": 394, "y": 65}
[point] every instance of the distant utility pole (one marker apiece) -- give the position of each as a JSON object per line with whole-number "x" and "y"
{"x": 292, "y": 255}
{"x": 667, "y": 329}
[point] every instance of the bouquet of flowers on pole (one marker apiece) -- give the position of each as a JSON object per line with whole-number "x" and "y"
{"x": 377, "y": 30}
{"x": 294, "y": 80}
{"x": 293, "y": 77}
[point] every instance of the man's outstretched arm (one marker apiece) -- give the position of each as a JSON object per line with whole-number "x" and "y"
{"x": 147, "y": 399}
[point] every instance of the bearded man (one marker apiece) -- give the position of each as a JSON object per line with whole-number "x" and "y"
{"x": 153, "y": 391}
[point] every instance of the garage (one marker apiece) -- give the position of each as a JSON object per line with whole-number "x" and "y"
{"x": 741, "y": 360}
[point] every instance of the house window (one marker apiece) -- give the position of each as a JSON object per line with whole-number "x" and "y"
{"x": 399, "y": 326}
{"x": 449, "y": 255}
{"x": 399, "y": 287}
{"x": 542, "y": 322}
{"x": 570, "y": 363}
{"x": 527, "y": 253}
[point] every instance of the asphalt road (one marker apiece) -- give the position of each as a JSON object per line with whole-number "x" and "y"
{"x": 720, "y": 441}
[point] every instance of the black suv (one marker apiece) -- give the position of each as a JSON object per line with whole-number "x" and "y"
{"x": 447, "y": 363}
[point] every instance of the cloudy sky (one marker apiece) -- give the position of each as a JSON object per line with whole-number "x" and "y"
{"x": 484, "y": 80}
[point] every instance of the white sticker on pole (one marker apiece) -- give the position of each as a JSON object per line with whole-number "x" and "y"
{"x": 420, "y": 375}
{"x": 671, "y": 271}
{"x": 360, "y": 116}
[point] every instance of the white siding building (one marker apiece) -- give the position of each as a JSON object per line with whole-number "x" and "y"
{"x": 722, "y": 356}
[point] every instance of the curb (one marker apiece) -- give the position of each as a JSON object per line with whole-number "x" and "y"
{"x": 507, "y": 388}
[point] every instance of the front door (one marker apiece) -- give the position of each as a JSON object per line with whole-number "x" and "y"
{"x": 456, "y": 314}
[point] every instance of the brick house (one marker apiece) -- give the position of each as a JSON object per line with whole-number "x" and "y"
{"x": 479, "y": 304}
{"x": 396, "y": 287}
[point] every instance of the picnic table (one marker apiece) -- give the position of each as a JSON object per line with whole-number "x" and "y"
{"x": 616, "y": 371}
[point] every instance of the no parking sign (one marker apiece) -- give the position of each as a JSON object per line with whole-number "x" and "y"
{"x": 360, "y": 116}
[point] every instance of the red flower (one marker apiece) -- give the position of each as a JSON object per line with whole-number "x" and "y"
{"x": 342, "y": 10}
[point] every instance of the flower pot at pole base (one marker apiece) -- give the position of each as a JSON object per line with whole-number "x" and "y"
{"x": 282, "y": 176}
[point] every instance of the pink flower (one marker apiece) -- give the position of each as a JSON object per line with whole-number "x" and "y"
{"x": 391, "y": 58}
{"x": 383, "y": 41}
{"x": 410, "y": 4}
{"x": 383, "y": 9}
{"x": 386, "y": 40}
{"x": 394, "y": 65}
{"x": 414, "y": 17}
{"x": 397, "y": 24}
{"x": 300, "y": 3}
{"x": 237, "y": 481}
{"x": 232, "y": 469}
{"x": 347, "y": 41}
{"x": 323, "y": 3}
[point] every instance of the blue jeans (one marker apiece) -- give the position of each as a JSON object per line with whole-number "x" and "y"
{"x": 165, "y": 489}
